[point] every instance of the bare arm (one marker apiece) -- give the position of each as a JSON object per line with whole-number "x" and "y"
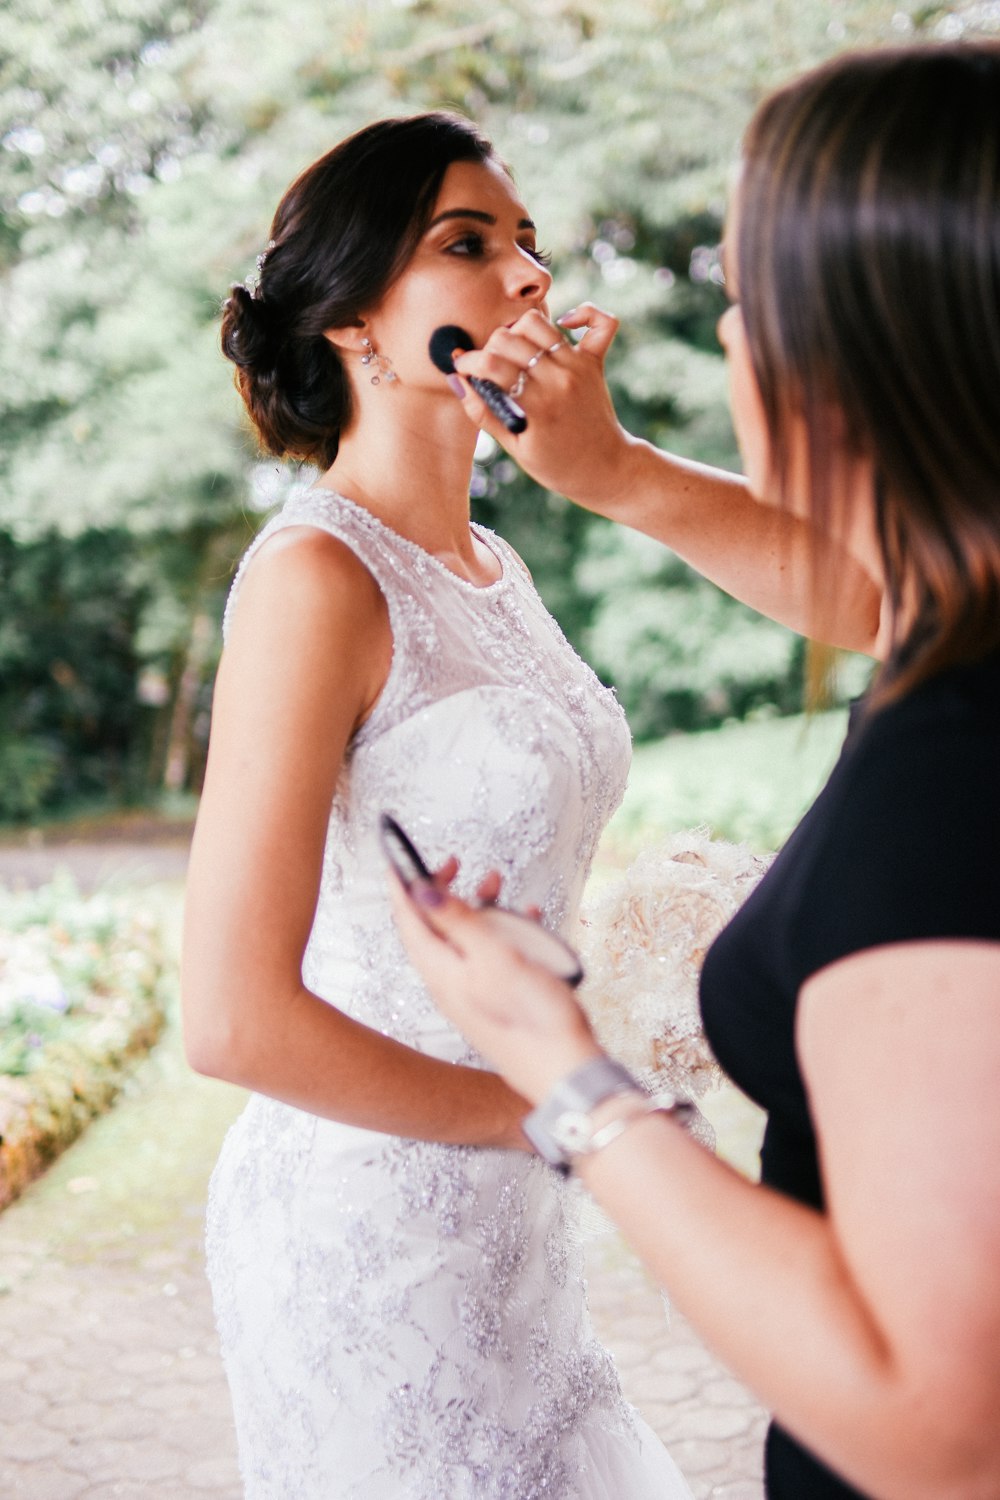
{"x": 871, "y": 1331}
{"x": 307, "y": 655}
{"x": 575, "y": 444}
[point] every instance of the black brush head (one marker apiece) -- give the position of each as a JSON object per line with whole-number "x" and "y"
{"x": 444, "y": 341}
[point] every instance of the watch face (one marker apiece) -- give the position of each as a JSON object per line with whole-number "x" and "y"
{"x": 571, "y": 1131}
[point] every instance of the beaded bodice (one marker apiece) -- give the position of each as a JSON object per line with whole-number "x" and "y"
{"x": 403, "y": 1319}
{"x": 491, "y": 740}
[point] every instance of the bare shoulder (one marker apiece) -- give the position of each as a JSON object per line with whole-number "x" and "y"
{"x": 933, "y": 1000}
{"x": 900, "y": 1047}
{"x": 304, "y": 573}
{"x": 894, "y": 979}
{"x": 309, "y": 624}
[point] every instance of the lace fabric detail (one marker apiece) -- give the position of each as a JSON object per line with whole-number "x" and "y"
{"x": 398, "y": 1318}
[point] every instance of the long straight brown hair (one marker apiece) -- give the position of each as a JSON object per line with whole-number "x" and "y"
{"x": 868, "y": 259}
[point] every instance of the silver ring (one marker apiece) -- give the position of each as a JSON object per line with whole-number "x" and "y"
{"x": 518, "y": 385}
{"x": 532, "y": 362}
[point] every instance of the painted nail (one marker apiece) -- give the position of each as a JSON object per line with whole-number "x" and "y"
{"x": 565, "y": 315}
{"x": 457, "y": 387}
{"x": 425, "y": 894}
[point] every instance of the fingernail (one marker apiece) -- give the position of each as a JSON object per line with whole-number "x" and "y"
{"x": 565, "y": 315}
{"x": 457, "y": 387}
{"x": 425, "y": 894}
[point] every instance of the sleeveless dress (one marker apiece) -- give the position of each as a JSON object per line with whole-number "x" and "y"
{"x": 404, "y": 1320}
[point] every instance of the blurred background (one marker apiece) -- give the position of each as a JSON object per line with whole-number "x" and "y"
{"x": 143, "y": 147}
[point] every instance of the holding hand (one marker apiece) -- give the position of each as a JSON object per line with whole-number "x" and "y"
{"x": 516, "y": 1013}
{"x": 574, "y": 443}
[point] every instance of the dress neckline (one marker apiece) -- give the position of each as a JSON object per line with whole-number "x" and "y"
{"x": 482, "y": 533}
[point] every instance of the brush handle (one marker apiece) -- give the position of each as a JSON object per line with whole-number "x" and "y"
{"x": 500, "y": 404}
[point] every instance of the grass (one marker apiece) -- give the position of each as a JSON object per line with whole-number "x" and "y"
{"x": 102, "y": 820}
{"x": 748, "y": 782}
{"x": 83, "y": 986}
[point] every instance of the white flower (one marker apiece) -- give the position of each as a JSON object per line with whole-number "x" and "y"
{"x": 643, "y": 941}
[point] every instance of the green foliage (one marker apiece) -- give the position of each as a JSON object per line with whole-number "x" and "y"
{"x": 29, "y": 778}
{"x": 83, "y": 987}
{"x": 66, "y": 959}
{"x": 145, "y": 143}
{"x": 681, "y": 654}
{"x": 747, "y": 782}
{"x": 67, "y": 667}
{"x": 27, "y": 1030}
{"x": 143, "y": 146}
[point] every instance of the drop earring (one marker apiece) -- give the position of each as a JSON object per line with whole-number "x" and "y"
{"x": 381, "y": 362}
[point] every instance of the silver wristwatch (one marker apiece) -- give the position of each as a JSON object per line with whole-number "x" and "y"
{"x": 562, "y": 1127}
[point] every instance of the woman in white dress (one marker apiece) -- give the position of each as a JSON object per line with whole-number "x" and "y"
{"x": 398, "y": 1290}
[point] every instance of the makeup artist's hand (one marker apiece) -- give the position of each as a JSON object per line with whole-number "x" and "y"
{"x": 525, "y": 1021}
{"x": 573, "y": 443}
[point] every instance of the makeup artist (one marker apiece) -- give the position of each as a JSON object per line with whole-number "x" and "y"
{"x": 856, "y": 996}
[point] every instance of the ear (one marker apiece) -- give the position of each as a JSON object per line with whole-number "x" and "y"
{"x": 349, "y": 338}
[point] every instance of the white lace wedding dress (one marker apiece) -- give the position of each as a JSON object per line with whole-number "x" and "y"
{"x": 402, "y": 1320}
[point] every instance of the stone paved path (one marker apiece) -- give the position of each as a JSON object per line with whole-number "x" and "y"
{"x": 110, "y": 1382}
{"x": 93, "y": 861}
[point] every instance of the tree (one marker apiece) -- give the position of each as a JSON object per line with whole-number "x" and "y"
{"x": 144, "y": 145}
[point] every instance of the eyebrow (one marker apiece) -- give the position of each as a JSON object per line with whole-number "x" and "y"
{"x": 478, "y": 215}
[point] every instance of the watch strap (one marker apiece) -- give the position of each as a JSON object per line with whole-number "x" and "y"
{"x": 561, "y": 1128}
{"x": 571, "y": 1101}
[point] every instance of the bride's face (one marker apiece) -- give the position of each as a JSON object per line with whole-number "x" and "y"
{"x": 477, "y": 265}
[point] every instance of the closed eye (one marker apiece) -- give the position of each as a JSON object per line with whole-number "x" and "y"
{"x": 473, "y": 246}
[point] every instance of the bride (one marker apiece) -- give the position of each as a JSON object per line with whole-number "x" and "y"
{"x": 398, "y": 1293}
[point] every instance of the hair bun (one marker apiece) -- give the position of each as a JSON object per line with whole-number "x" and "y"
{"x": 246, "y": 335}
{"x": 339, "y": 238}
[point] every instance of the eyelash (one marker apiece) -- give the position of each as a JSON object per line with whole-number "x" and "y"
{"x": 474, "y": 246}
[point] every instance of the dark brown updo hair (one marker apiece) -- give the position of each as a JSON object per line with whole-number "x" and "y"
{"x": 868, "y": 253}
{"x": 343, "y": 233}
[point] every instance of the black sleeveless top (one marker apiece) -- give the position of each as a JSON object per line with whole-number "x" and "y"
{"x": 902, "y": 844}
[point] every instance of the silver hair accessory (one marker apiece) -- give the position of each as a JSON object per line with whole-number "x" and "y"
{"x": 381, "y": 362}
{"x": 252, "y": 283}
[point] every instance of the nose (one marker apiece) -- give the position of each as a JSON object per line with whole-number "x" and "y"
{"x": 723, "y": 326}
{"x": 527, "y": 279}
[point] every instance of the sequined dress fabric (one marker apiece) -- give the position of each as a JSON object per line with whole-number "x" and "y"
{"x": 402, "y": 1320}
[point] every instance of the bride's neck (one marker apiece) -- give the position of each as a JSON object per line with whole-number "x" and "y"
{"x": 411, "y": 468}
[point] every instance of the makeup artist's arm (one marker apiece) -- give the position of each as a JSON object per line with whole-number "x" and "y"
{"x": 575, "y": 445}
{"x": 307, "y": 655}
{"x": 871, "y": 1330}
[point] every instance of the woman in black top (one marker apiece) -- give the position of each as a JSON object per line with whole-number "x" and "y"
{"x": 857, "y": 994}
